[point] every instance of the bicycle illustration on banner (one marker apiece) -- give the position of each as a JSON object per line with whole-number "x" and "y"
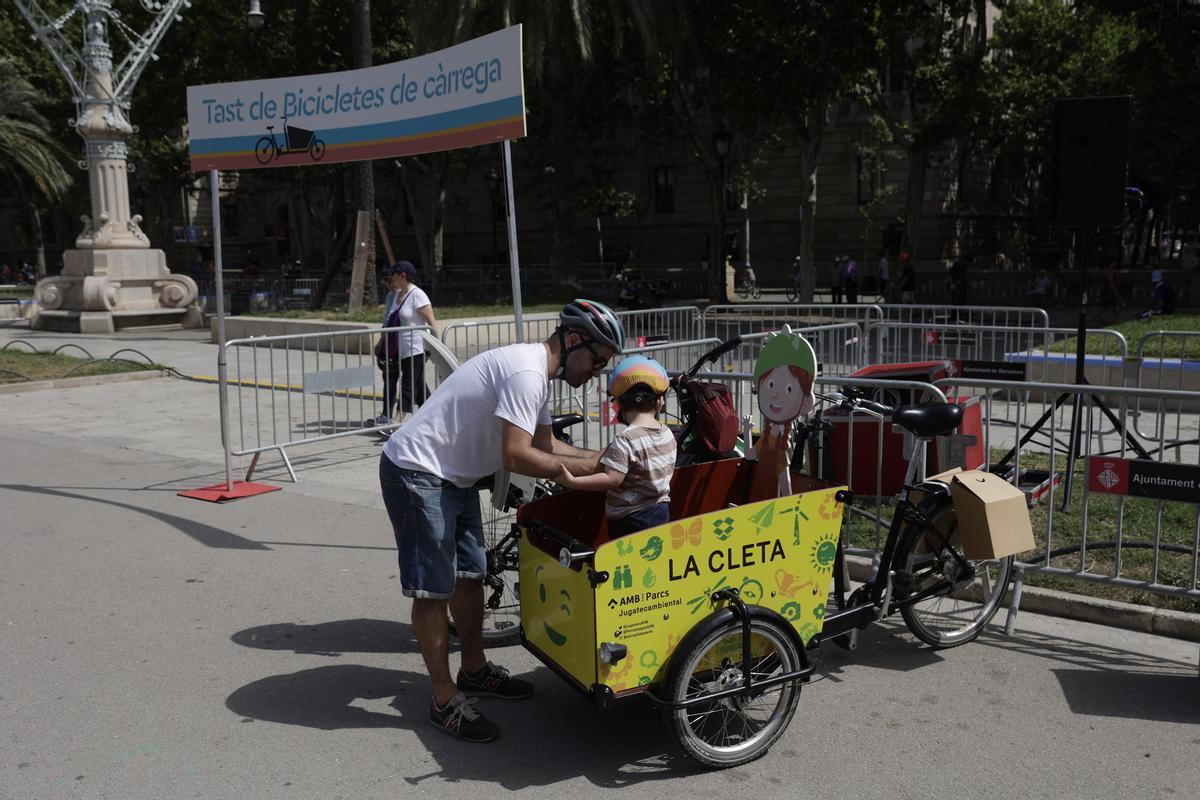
{"x": 296, "y": 140}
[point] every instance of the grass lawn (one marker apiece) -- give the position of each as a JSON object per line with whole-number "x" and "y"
{"x": 1133, "y": 330}
{"x": 1104, "y": 512}
{"x": 17, "y": 366}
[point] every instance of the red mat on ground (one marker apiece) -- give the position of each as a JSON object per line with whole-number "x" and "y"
{"x": 219, "y": 493}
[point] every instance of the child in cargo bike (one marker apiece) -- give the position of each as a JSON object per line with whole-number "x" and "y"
{"x": 640, "y": 461}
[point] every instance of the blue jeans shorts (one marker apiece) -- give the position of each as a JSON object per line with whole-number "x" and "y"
{"x": 438, "y": 528}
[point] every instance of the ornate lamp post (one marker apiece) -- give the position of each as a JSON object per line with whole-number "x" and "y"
{"x": 113, "y": 278}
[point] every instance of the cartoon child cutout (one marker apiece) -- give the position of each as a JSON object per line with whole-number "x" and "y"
{"x": 783, "y": 381}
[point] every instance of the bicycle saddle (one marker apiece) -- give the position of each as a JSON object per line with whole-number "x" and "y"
{"x": 928, "y": 419}
{"x": 560, "y": 422}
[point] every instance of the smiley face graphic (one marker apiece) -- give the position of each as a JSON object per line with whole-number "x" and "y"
{"x": 781, "y": 395}
{"x": 556, "y": 638}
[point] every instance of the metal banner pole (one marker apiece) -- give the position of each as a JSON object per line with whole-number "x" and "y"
{"x": 214, "y": 187}
{"x": 513, "y": 261}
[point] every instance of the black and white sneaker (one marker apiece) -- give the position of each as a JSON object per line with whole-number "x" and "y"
{"x": 460, "y": 718}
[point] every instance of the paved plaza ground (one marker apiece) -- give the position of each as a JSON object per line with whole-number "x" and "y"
{"x": 158, "y": 647}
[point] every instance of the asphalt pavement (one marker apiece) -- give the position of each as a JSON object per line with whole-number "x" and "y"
{"x": 153, "y": 646}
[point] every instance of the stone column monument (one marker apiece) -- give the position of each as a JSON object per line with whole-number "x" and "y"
{"x": 113, "y": 279}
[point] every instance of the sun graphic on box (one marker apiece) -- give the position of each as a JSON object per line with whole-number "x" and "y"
{"x": 824, "y": 551}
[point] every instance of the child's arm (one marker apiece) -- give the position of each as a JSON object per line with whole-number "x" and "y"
{"x": 599, "y": 482}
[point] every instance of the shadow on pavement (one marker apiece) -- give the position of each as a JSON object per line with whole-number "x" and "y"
{"x": 555, "y": 736}
{"x": 887, "y": 646}
{"x": 1156, "y": 697}
{"x": 1092, "y": 655}
{"x": 207, "y": 535}
{"x": 332, "y": 638}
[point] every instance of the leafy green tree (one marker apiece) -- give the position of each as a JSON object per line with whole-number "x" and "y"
{"x": 814, "y": 53}
{"x": 935, "y": 53}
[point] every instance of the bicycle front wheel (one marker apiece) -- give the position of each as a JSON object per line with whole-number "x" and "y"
{"x": 755, "y": 291}
{"x": 793, "y": 295}
{"x": 733, "y": 730}
{"x": 743, "y": 291}
{"x": 501, "y": 598}
{"x": 958, "y": 597}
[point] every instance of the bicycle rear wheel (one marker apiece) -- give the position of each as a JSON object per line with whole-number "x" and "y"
{"x": 501, "y": 600}
{"x": 958, "y": 603}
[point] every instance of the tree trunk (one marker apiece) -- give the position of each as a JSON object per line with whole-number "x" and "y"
{"x": 716, "y": 258}
{"x": 39, "y": 241}
{"x": 437, "y": 216}
{"x": 563, "y": 145}
{"x": 333, "y": 256}
{"x": 364, "y": 281}
{"x": 810, "y": 150}
{"x": 915, "y": 204}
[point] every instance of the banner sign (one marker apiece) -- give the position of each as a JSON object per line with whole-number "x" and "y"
{"x": 466, "y": 95}
{"x": 1141, "y": 478}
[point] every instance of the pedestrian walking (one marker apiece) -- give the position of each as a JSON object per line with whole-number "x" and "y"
{"x": 884, "y": 276}
{"x": 908, "y": 280}
{"x": 401, "y": 356}
{"x": 850, "y": 280}
{"x": 836, "y": 281}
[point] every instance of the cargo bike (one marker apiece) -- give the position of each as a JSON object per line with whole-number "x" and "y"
{"x": 710, "y": 617}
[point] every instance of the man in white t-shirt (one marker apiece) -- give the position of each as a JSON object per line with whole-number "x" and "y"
{"x": 492, "y": 411}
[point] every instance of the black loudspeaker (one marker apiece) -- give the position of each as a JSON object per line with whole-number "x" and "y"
{"x": 1092, "y": 155}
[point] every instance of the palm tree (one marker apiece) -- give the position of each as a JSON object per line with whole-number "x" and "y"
{"x": 27, "y": 156}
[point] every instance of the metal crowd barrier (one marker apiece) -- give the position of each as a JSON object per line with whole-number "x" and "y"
{"x": 1138, "y": 520}
{"x": 741, "y": 319}
{"x": 725, "y": 321}
{"x": 1004, "y": 316}
{"x": 840, "y": 348}
{"x": 467, "y": 339}
{"x": 1048, "y": 352}
{"x": 1168, "y": 360}
{"x": 314, "y": 387}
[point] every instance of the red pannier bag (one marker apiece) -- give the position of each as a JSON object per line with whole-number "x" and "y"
{"x": 711, "y": 406}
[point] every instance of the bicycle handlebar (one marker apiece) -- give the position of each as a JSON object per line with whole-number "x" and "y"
{"x": 713, "y": 355}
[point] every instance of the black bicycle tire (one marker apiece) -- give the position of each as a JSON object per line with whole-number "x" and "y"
{"x": 932, "y": 509}
{"x": 496, "y": 636}
{"x": 677, "y": 684}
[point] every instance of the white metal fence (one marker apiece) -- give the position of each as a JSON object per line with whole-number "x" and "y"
{"x": 284, "y": 391}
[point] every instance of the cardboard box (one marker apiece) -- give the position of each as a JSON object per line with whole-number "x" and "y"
{"x": 916, "y": 495}
{"x": 993, "y": 515}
